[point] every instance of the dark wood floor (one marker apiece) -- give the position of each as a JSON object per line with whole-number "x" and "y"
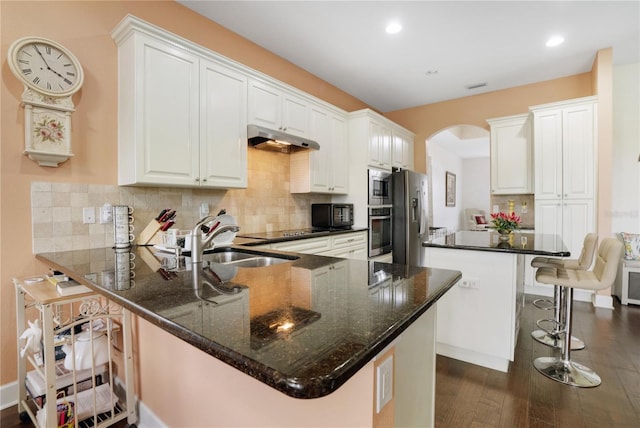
{"x": 472, "y": 396}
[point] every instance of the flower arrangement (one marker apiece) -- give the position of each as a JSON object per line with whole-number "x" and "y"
{"x": 505, "y": 222}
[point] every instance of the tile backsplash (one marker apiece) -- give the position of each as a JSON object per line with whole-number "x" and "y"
{"x": 265, "y": 205}
{"x": 523, "y": 206}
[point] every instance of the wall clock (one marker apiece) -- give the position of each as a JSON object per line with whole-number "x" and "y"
{"x": 51, "y": 74}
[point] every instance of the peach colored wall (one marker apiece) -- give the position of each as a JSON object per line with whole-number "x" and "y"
{"x": 603, "y": 88}
{"x": 84, "y": 28}
{"x": 427, "y": 120}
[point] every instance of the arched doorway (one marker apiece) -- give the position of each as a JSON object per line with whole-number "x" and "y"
{"x": 461, "y": 151}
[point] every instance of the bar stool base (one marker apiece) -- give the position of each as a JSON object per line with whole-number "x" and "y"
{"x": 567, "y": 372}
{"x": 556, "y": 342}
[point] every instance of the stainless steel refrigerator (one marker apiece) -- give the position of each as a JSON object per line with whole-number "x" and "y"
{"x": 410, "y": 216}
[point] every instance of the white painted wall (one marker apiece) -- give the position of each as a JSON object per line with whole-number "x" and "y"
{"x": 626, "y": 149}
{"x": 476, "y": 187}
{"x": 442, "y": 161}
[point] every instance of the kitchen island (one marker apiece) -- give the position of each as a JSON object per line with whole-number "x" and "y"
{"x": 479, "y": 319}
{"x": 310, "y": 328}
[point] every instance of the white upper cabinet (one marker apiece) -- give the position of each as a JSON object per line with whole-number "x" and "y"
{"x": 511, "y": 155}
{"x": 278, "y": 109}
{"x": 402, "y": 149}
{"x": 379, "y": 144}
{"x": 223, "y": 126}
{"x": 324, "y": 170}
{"x": 564, "y": 144}
{"x": 181, "y": 116}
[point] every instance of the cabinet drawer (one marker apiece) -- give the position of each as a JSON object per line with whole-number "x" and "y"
{"x": 357, "y": 252}
{"x": 308, "y": 246}
{"x": 348, "y": 239}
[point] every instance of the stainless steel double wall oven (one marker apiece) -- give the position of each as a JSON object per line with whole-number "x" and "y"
{"x": 380, "y": 200}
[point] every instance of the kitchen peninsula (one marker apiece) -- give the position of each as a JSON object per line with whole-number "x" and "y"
{"x": 311, "y": 327}
{"x": 478, "y": 320}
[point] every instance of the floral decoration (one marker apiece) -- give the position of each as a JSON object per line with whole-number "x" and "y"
{"x": 504, "y": 221}
{"x": 49, "y": 130}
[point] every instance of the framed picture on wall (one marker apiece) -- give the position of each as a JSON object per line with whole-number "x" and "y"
{"x": 450, "y": 180}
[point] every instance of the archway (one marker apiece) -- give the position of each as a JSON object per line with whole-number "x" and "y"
{"x": 462, "y": 151}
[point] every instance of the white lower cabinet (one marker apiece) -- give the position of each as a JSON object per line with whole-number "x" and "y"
{"x": 347, "y": 245}
{"x": 305, "y": 246}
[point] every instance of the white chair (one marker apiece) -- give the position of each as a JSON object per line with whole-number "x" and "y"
{"x": 474, "y": 219}
{"x": 603, "y": 275}
{"x": 553, "y": 337}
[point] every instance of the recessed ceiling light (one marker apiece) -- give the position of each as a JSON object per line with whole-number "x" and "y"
{"x": 555, "y": 41}
{"x": 393, "y": 28}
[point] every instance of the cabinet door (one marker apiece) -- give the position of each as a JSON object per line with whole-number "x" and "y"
{"x": 223, "y": 127}
{"x": 320, "y": 165}
{"x": 578, "y": 151}
{"x": 339, "y": 155}
{"x": 295, "y": 115}
{"x": 401, "y": 150}
{"x": 511, "y": 156}
{"x": 548, "y": 153}
{"x": 379, "y": 145}
{"x": 578, "y": 220}
{"x": 549, "y": 217}
{"x": 265, "y": 103}
{"x": 164, "y": 125}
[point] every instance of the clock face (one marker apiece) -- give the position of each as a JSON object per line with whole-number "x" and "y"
{"x": 45, "y": 66}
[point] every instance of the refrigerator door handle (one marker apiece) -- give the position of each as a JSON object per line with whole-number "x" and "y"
{"x": 422, "y": 228}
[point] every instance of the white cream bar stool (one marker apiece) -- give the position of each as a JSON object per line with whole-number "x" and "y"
{"x": 553, "y": 337}
{"x": 562, "y": 369}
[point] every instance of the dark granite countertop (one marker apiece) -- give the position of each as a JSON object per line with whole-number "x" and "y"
{"x": 521, "y": 243}
{"x": 303, "y": 327}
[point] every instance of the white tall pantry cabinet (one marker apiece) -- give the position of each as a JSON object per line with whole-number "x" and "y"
{"x": 564, "y": 135}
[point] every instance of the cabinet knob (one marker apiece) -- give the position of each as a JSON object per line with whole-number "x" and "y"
{"x": 197, "y": 179}
{"x": 204, "y": 179}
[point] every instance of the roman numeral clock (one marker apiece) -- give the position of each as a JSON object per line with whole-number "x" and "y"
{"x": 51, "y": 74}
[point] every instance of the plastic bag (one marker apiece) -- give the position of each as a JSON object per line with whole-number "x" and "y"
{"x": 32, "y": 337}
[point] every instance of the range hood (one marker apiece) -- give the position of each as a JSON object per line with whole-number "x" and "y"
{"x": 268, "y": 139}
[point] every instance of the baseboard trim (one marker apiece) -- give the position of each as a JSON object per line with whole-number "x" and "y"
{"x": 489, "y": 361}
{"x": 600, "y": 301}
{"x": 147, "y": 418}
{"x": 578, "y": 295}
{"x": 8, "y": 395}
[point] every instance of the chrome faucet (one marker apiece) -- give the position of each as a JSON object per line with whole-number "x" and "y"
{"x": 199, "y": 243}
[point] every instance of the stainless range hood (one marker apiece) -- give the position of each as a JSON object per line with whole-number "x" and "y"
{"x": 268, "y": 139}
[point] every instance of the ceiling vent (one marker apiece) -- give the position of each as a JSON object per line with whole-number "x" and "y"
{"x": 476, "y": 86}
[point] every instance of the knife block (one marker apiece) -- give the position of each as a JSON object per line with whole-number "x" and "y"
{"x": 150, "y": 235}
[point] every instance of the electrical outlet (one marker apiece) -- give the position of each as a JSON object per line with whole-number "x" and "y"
{"x": 204, "y": 210}
{"x": 469, "y": 283}
{"x": 89, "y": 215}
{"x": 496, "y": 209}
{"x": 384, "y": 381}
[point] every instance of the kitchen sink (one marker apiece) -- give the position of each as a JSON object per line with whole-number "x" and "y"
{"x": 245, "y": 258}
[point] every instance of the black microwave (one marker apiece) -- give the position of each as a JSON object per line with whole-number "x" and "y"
{"x": 332, "y": 215}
